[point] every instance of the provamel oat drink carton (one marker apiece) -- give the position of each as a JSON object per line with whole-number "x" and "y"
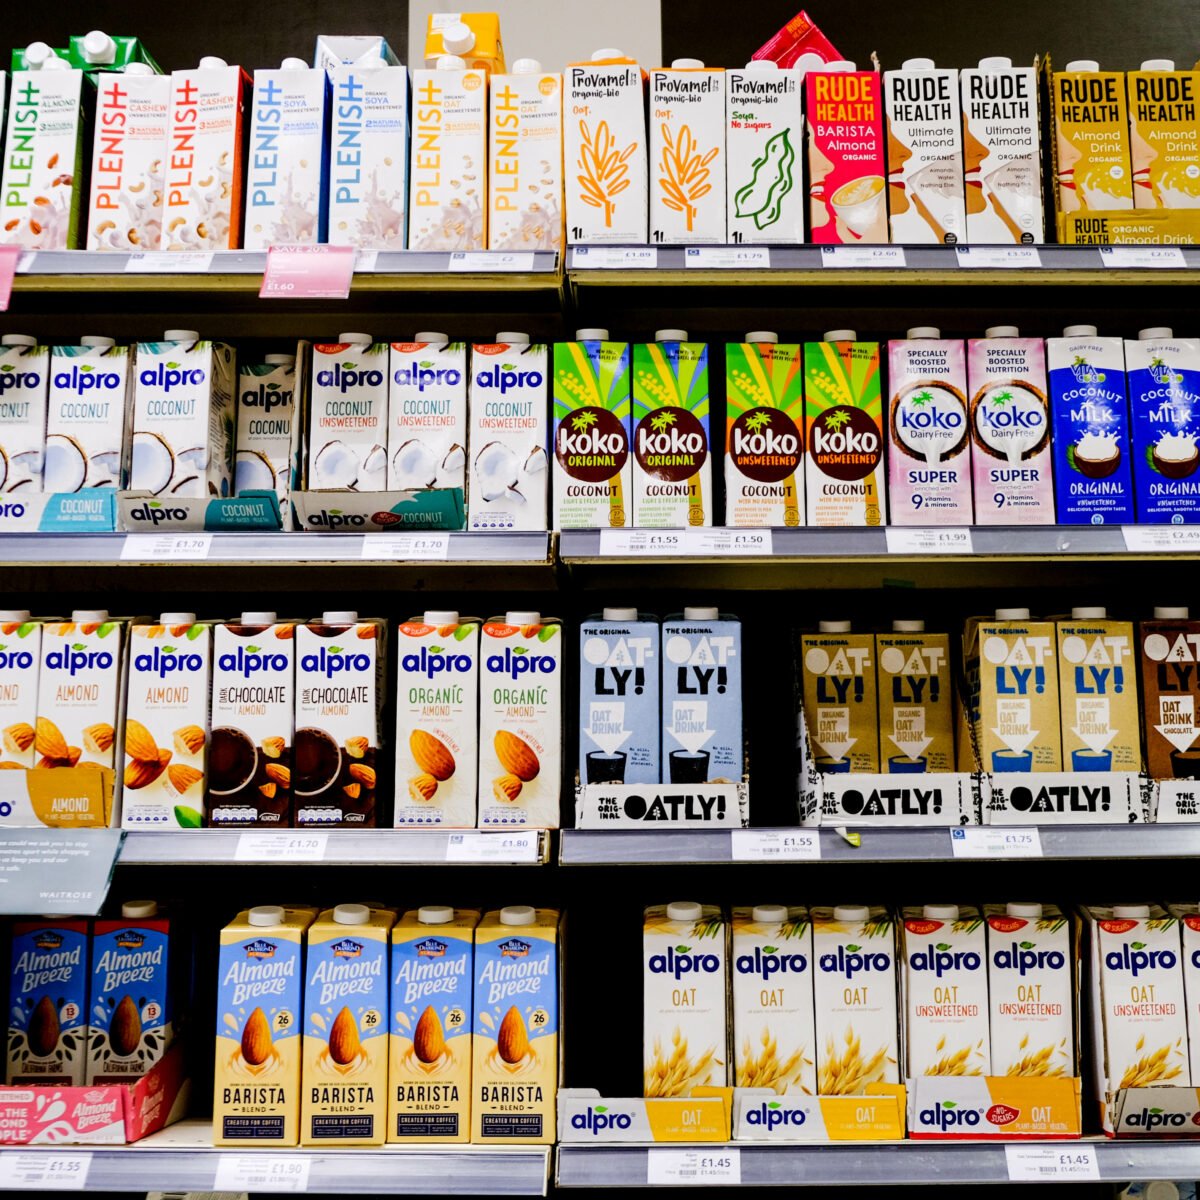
{"x": 267, "y": 445}
{"x": 916, "y": 702}
{"x": 24, "y": 392}
{"x": 348, "y": 414}
{"x": 1091, "y": 138}
{"x": 427, "y": 413}
{"x": 1170, "y": 670}
{"x": 87, "y": 411}
{"x": 21, "y": 647}
{"x": 839, "y": 685}
{"x": 1164, "y": 135}
{"x": 1188, "y": 916}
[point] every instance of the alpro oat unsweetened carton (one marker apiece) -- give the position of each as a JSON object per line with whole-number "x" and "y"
{"x": 839, "y": 687}
{"x": 916, "y": 700}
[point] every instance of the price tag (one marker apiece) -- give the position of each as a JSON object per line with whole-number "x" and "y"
{"x": 775, "y": 845}
{"x": 472, "y": 846}
{"x": 490, "y": 260}
{"x": 9, "y": 256}
{"x": 1161, "y": 539}
{"x": 1052, "y": 1163}
{"x": 366, "y": 260}
{"x": 995, "y": 841}
{"x": 1142, "y": 256}
{"x": 998, "y": 256}
{"x": 862, "y": 256}
{"x": 262, "y": 1173}
{"x": 48, "y": 1172}
{"x": 166, "y": 547}
{"x": 308, "y": 273}
{"x": 614, "y": 258}
{"x": 168, "y": 262}
{"x": 951, "y": 540}
{"x": 621, "y": 543}
{"x": 417, "y": 547}
{"x": 720, "y": 1165}
{"x": 281, "y": 848}
{"x": 720, "y": 542}
{"x": 26, "y": 261}
{"x": 722, "y": 258}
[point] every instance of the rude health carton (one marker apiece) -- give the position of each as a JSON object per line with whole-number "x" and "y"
{"x": 1169, "y": 650}
{"x": 916, "y": 702}
{"x": 839, "y": 682}
{"x": 24, "y": 385}
{"x": 21, "y": 645}
{"x": 1091, "y": 139}
{"x": 1164, "y": 135}
{"x": 427, "y": 414}
{"x": 87, "y": 411}
{"x": 348, "y": 415}
{"x": 267, "y": 438}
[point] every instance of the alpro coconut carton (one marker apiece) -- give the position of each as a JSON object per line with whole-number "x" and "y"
{"x": 838, "y": 673}
{"x": 916, "y": 702}
{"x": 427, "y": 413}
{"x": 1091, "y": 139}
{"x": 1164, "y": 135}
{"x": 267, "y": 442}
{"x": 87, "y": 410}
{"x": 1169, "y": 651}
{"x": 348, "y": 414}
{"x": 21, "y": 647}
{"x": 24, "y": 386}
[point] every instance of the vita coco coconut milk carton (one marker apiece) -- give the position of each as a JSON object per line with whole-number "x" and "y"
{"x": 854, "y": 986}
{"x": 916, "y": 703}
{"x": 266, "y": 436}
{"x": 839, "y": 684}
{"x": 427, "y": 413}
{"x": 86, "y": 415}
{"x": 774, "y": 1035}
{"x": 1188, "y": 916}
{"x": 924, "y": 152}
{"x": 256, "y": 1088}
{"x": 24, "y": 387}
{"x": 593, "y": 466}
{"x": 345, "y": 1058}
{"x": 437, "y": 702}
{"x": 21, "y": 646}
{"x": 685, "y": 1031}
{"x": 1002, "y": 153}
{"x": 1170, "y": 654}
{"x": 929, "y": 467}
{"x": 429, "y": 1072}
{"x": 619, "y": 712}
{"x": 1164, "y": 135}
{"x": 764, "y": 432}
{"x": 520, "y": 720}
{"x": 1010, "y": 429}
{"x": 1091, "y": 138}
{"x": 348, "y": 414}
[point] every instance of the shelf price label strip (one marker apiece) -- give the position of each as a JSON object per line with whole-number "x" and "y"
{"x": 717, "y": 542}
{"x": 166, "y": 547}
{"x": 775, "y": 845}
{"x": 721, "y": 1166}
{"x": 262, "y": 1173}
{"x": 1053, "y": 1164}
{"x": 281, "y": 847}
{"x": 995, "y": 841}
{"x": 21, "y": 1171}
{"x": 477, "y": 846}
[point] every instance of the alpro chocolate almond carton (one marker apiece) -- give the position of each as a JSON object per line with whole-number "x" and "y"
{"x": 1169, "y": 652}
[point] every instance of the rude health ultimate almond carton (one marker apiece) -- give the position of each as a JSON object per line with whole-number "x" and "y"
{"x": 916, "y": 700}
{"x": 838, "y": 672}
{"x": 1164, "y": 135}
{"x": 1169, "y": 652}
{"x": 1091, "y": 139}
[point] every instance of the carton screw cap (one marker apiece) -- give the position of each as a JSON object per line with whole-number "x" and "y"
{"x": 267, "y": 914}
{"x": 518, "y": 914}
{"x": 684, "y": 910}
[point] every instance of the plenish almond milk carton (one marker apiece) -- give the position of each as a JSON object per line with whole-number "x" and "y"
{"x": 1164, "y": 135}
{"x": 87, "y": 411}
{"x": 685, "y": 985}
{"x": 348, "y": 415}
{"x": 427, "y": 413}
{"x": 916, "y": 702}
{"x": 1170, "y": 670}
{"x": 1188, "y": 916}
{"x": 839, "y": 684}
{"x": 1091, "y": 138}
{"x": 21, "y": 648}
{"x": 267, "y": 440}
{"x": 260, "y": 980}
{"x": 854, "y": 992}
{"x": 24, "y": 388}
{"x": 515, "y": 1046}
{"x": 774, "y": 1036}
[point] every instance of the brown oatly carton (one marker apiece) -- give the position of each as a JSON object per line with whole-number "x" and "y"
{"x": 1169, "y": 650}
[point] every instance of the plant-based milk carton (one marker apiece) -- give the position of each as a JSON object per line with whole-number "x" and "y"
{"x": 764, "y": 147}
{"x": 843, "y": 431}
{"x": 685, "y": 985}
{"x": 1188, "y": 916}
{"x": 1164, "y": 399}
{"x": 47, "y": 1007}
{"x": 21, "y": 645}
{"x": 1091, "y": 139}
{"x": 1164, "y": 135}
{"x": 1093, "y": 453}
{"x": 924, "y": 151}
{"x": 348, "y": 415}
{"x": 1170, "y": 654}
{"x": 1002, "y": 153}
{"x": 619, "y": 711}
{"x": 1010, "y": 429}
{"x": 846, "y": 163}
{"x": 774, "y": 1036}
{"x": 520, "y": 720}
{"x": 593, "y": 466}
{"x": 474, "y": 36}
{"x": 86, "y": 415}
{"x": 839, "y": 687}
{"x": 929, "y": 467}
{"x": 764, "y": 438}
{"x": 854, "y": 992}
{"x": 604, "y": 150}
{"x": 256, "y": 1088}
{"x": 429, "y": 1072}
{"x": 509, "y": 433}
{"x": 437, "y": 702}
{"x": 916, "y": 703}
{"x": 183, "y": 417}
{"x": 1030, "y": 990}
{"x": 672, "y": 444}
{"x": 267, "y": 439}
{"x": 345, "y": 1059}
{"x": 427, "y": 413}
{"x": 24, "y": 389}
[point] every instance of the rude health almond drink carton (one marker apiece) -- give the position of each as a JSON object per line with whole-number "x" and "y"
{"x": 267, "y": 438}
{"x": 1188, "y": 916}
{"x": 916, "y": 702}
{"x": 21, "y": 647}
{"x": 1164, "y": 135}
{"x": 348, "y": 415}
{"x": 515, "y": 1040}
{"x": 256, "y": 1080}
{"x": 24, "y": 387}
{"x": 685, "y": 981}
{"x": 1169, "y": 650}
{"x": 427, "y": 413}
{"x": 1091, "y": 138}
{"x": 87, "y": 411}
{"x": 839, "y": 687}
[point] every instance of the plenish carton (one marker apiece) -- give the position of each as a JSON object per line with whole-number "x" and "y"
{"x": 267, "y": 451}
{"x": 1091, "y": 139}
{"x": 854, "y": 993}
{"x": 87, "y": 411}
{"x": 1170, "y": 654}
{"x": 1164, "y": 135}
{"x": 839, "y": 684}
{"x": 24, "y": 388}
{"x": 774, "y": 1037}
{"x": 21, "y": 647}
{"x": 427, "y": 414}
{"x": 916, "y": 702}
{"x": 475, "y": 36}
{"x": 1188, "y": 916}
{"x": 348, "y": 414}
{"x": 685, "y": 1034}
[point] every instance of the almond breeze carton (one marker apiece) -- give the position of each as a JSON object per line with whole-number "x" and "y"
{"x": 1169, "y": 650}
{"x": 916, "y": 702}
{"x": 427, "y": 413}
{"x": 839, "y": 688}
{"x": 21, "y": 645}
{"x": 88, "y": 408}
{"x": 24, "y": 390}
{"x": 1164, "y": 135}
{"x": 348, "y": 415}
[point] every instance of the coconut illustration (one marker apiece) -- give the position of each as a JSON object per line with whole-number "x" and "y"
{"x": 1097, "y": 455}
{"x": 253, "y": 472}
{"x": 66, "y": 466}
{"x": 153, "y": 463}
{"x": 496, "y": 470}
{"x": 336, "y": 466}
{"x": 1175, "y": 455}
{"x": 414, "y": 465}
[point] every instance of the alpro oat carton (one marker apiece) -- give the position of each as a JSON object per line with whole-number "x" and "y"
{"x": 839, "y": 688}
{"x": 1169, "y": 653}
{"x": 916, "y": 701}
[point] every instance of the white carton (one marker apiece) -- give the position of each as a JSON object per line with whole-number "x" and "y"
{"x": 86, "y": 415}
{"x": 348, "y": 415}
{"x": 1188, "y": 916}
{"x": 24, "y": 386}
{"x": 21, "y": 659}
{"x": 266, "y": 416}
{"x": 427, "y": 413}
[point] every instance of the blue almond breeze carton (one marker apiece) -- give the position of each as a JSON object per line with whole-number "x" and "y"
{"x": 1093, "y": 469}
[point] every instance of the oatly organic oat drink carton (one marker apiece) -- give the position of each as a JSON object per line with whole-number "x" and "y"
{"x": 1091, "y": 138}
{"x": 1164, "y": 135}
{"x": 839, "y": 686}
{"x": 427, "y": 413}
{"x": 24, "y": 388}
{"x": 21, "y": 647}
{"x": 87, "y": 412}
{"x": 916, "y": 702}
{"x": 348, "y": 415}
{"x": 1169, "y": 650}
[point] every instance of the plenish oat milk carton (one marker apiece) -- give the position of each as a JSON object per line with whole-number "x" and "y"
{"x": 21, "y": 647}
{"x": 685, "y": 984}
{"x": 1188, "y": 916}
{"x": 344, "y": 1098}
{"x": 839, "y": 686}
{"x": 1164, "y": 135}
{"x": 1170, "y": 671}
{"x": 916, "y": 702}
{"x": 854, "y": 986}
{"x": 87, "y": 411}
{"x": 267, "y": 448}
{"x": 924, "y": 150}
{"x": 427, "y": 414}
{"x": 1091, "y": 138}
{"x": 256, "y": 1080}
{"x": 348, "y": 415}
{"x": 24, "y": 389}
{"x": 515, "y": 1049}
{"x": 429, "y": 1070}
{"x": 774, "y": 1035}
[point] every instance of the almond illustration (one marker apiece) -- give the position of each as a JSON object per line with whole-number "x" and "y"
{"x": 272, "y": 747}
{"x": 516, "y": 756}
{"x": 528, "y": 631}
{"x": 278, "y": 773}
{"x": 429, "y": 1042}
{"x": 506, "y": 788}
{"x": 7, "y": 766}
{"x": 285, "y": 633}
{"x": 363, "y": 774}
{"x": 43, "y": 1028}
{"x": 181, "y": 777}
{"x": 139, "y": 742}
{"x": 125, "y": 1031}
{"x": 356, "y": 747}
{"x": 344, "y": 1046}
{"x": 431, "y": 755}
{"x": 512, "y": 1042}
{"x": 256, "y": 1039}
{"x": 352, "y": 791}
{"x": 366, "y": 633}
{"x": 267, "y": 790}
{"x": 18, "y": 738}
{"x": 422, "y": 787}
{"x": 98, "y": 738}
{"x": 140, "y": 774}
{"x": 48, "y": 740}
{"x": 189, "y": 740}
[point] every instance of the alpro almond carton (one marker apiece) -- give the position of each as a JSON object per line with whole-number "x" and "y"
{"x": 429, "y": 1072}
{"x": 685, "y": 984}
{"x": 916, "y": 701}
{"x": 1164, "y": 135}
{"x": 427, "y": 414}
{"x": 345, "y": 1055}
{"x": 515, "y": 1039}
{"x": 774, "y": 1036}
{"x": 20, "y": 664}
{"x": 839, "y": 688}
{"x": 1169, "y": 652}
{"x": 267, "y": 436}
{"x": 87, "y": 412}
{"x": 1188, "y": 916}
{"x": 1091, "y": 139}
{"x": 24, "y": 386}
{"x": 256, "y": 1079}
{"x": 348, "y": 415}
{"x": 855, "y": 993}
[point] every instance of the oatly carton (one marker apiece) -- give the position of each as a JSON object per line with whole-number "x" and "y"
{"x": 21, "y": 651}
{"x": 348, "y": 415}
{"x": 916, "y": 703}
{"x": 427, "y": 414}
{"x": 267, "y": 445}
{"x": 839, "y": 687}
{"x": 1170, "y": 671}
{"x": 87, "y": 412}
{"x": 1164, "y": 135}
{"x": 1091, "y": 139}
{"x": 24, "y": 387}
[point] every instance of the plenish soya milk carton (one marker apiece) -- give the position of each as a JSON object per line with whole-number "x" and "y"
{"x": 1164, "y": 135}
{"x": 24, "y": 389}
{"x": 838, "y": 671}
{"x": 86, "y": 414}
{"x": 427, "y": 413}
{"x": 21, "y": 646}
{"x": 1188, "y": 916}
{"x": 916, "y": 713}
{"x": 685, "y": 1033}
{"x": 1091, "y": 138}
{"x": 348, "y": 414}
{"x": 267, "y": 448}
{"x": 1170, "y": 670}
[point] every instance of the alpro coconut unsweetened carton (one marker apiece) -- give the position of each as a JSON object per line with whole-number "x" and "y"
{"x": 427, "y": 413}
{"x": 86, "y": 415}
{"x": 348, "y": 415}
{"x": 24, "y": 386}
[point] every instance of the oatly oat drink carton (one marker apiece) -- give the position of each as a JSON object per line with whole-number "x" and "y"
{"x": 1164, "y": 135}
{"x": 429, "y": 1072}
{"x": 427, "y": 413}
{"x": 348, "y": 415}
{"x": 1170, "y": 670}
{"x": 1091, "y": 138}
{"x": 839, "y": 685}
{"x": 87, "y": 412}
{"x": 267, "y": 445}
{"x": 1188, "y": 916}
{"x": 916, "y": 702}
{"x": 24, "y": 388}
{"x": 20, "y": 664}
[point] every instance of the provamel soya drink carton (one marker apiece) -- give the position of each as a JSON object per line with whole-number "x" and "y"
{"x": 1091, "y": 138}
{"x": 838, "y": 672}
{"x": 1164, "y": 135}
{"x": 916, "y": 701}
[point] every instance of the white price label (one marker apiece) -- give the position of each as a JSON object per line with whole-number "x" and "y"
{"x": 166, "y": 547}
{"x": 262, "y": 1173}
{"x": 395, "y": 547}
{"x": 931, "y": 540}
{"x": 723, "y": 258}
{"x": 1142, "y": 256}
{"x": 997, "y": 256}
{"x": 168, "y": 262}
{"x": 48, "y": 1172}
{"x": 621, "y": 543}
{"x": 281, "y": 847}
{"x": 25, "y": 262}
{"x": 995, "y": 841}
{"x": 720, "y": 1165}
{"x": 365, "y": 260}
{"x": 703, "y": 543}
{"x": 614, "y": 258}
{"x": 1061, "y": 1163}
{"x": 862, "y": 256}
{"x": 720, "y": 542}
{"x": 1161, "y": 539}
{"x": 476, "y": 846}
{"x": 490, "y": 260}
{"x": 775, "y": 845}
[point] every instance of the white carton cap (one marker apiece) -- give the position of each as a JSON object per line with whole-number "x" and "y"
{"x": 37, "y": 55}
{"x": 917, "y": 64}
{"x": 1002, "y": 331}
{"x": 1012, "y": 614}
{"x": 351, "y": 914}
{"x": 607, "y": 52}
{"x": 17, "y": 339}
{"x": 101, "y": 343}
{"x": 211, "y": 62}
{"x": 14, "y": 614}
{"x": 440, "y": 616}
{"x": 1161, "y": 1189}
{"x": 139, "y": 908}
{"x": 432, "y": 337}
{"x": 833, "y": 627}
{"x": 278, "y": 360}
{"x": 517, "y": 616}
{"x": 458, "y": 38}
{"x": 591, "y": 335}
{"x": 518, "y": 914}
{"x": 1089, "y": 613}
{"x": 940, "y": 912}
{"x": 761, "y": 64}
{"x": 293, "y": 64}
{"x": 1155, "y": 331}
{"x": 1166, "y": 612}
{"x": 181, "y": 335}
{"x": 512, "y": 338}
{"x": 356, "y": 339}
{"x": 98, "y": 47}
{"x": 177, "y": 618}
{"x": 762, "y": 335}
{"x": 769, "y": 914}
{"x": 839, "y": 66}
{"x": 526, "y": 66}
{"x": 923, "y": 332}
{"x": 851, "y": 912}
{"x": 684, "y": 910}
{"x": 701, "y": 612}
{"x": 686, "y": 64}
{"x": 1159, "y": 64}
{"x": 670, "y": 335}
{"x": 620, "y": 614}
{"x": 995, "y": 62}
{"x": 1131, "y": 912}
{"x": 1080, "y": 331}
{"x": 435, "y": 914}
{"x": 451, "y": 62}
{"x": 258, "y": 617}
{"x": 1083, "y": 64}
{"x": 56, "y": 64}
{"x": 840, "y": 335}
{"x": 1028, "y": 910}
{"x": 89, "y": 616}
{"x": 339, "y": 616}
{"x": 138, "y": 68}
{"x": 266, "y": 914}
{"x": 908, "y": 625}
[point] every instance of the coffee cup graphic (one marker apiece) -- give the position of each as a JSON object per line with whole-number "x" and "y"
{"x": 318, "y": 762}
{"x": 833, "y": 766}
{"x": 1007, "y": 761}
{"x": 1185, "y": 764}
{"x": 232, "y": 761}
{"x": 688, "y": 766}
{"x": 901, "y": 764}
{"x": 859, "y": 203}
{"x": 606, "y": 768}
{"x": 1091, "y": 760}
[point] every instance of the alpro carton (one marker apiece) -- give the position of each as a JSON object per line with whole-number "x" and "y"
{"x": 1012, "y": 462}
{"x": 87, "y": 410}
{"x": 1169, "y": 650}
{"x": 929, "y": 467}
{"x": 1188, "y": 916}
{"x": 21, "y": 648}
{"x": 1002, "y": 153}
{"x": 685, "y": 984}
{"x": 47, "y": 1008}
{"x": 348, "y": 414}
{"x": 619, "y": 712}
{"x": 520, "y": 720}
{"x": 924, "y": 152}
{"x": 854, "y": 993}
{"x": 843, "y": 431}
{"x": 764, "y": 433}
{"x": 839, "y": 686}
{"x": 515, "y": 1050}
{"x": 24, "y": 386}
{"x": 260, "y": 980}
{"x": 1164, "y": 135}
{"x": 672, "y": 441}
{"x": 774, "y": 1036}
{"x": 345, "y": 1057}
{"x": 916, "y": 703}
{"x": 267, "y": 441}
{"x": 429, "y": 1072}
{"x": 1093, "y": 447}
{"x": 593, "y": 463}
{"x": 437, "y": 705}
{"x": 427, "y": 413}
{"x": 1091, "y": 139}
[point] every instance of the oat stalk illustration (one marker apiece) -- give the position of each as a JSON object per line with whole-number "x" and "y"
{"x": 684, "y": 172}
{"x": 604, "y": 169}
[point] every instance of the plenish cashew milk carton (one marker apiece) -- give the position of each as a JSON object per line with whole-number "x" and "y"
{"x": 24, "y": 390}
{"x": 1091, "y": 138}
{"x": 838, "y": 672}
{"x": 685, "y": 986}
{"x": 267, "y": 448}
{"x": 1188, "y": 916}
{"x": 429, "y": 1071}
{"x": 1170, "y": 670}
{"x": 515, "y": 1047}
{"x": 774, "y": 1036}
{"x": 21, "y": 647}
{"x": 854, "y": 993}
{"x": 345, "y": 1060}
{"x": 86, "y": 415}
{"x": 348, "y": 415}
{"x": 916, "y": 702}
{"x": 427, "y": 413}
{"x": 256, "y": 1080}
{"x": 1164, "y": 135}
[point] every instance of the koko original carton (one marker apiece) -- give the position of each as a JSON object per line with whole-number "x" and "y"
{"x": 839, "y": 689}
{"x": 1164, "y": 135}
{"x": 916, "y": 701}
{"x": 1169, "y": 653}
